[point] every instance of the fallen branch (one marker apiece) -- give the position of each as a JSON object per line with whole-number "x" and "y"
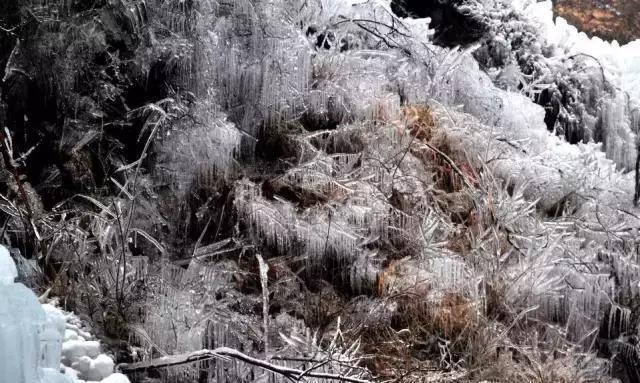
{"x": 226, "y": 353}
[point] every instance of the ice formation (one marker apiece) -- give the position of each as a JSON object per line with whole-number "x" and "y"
{"x": 622, "y": 62}
{"x": 81, "y": 356}
{"x": 264, "y": 80}
{"x": 8, "y": 271}
{"x": 609, "y": 80}
{"x": 51, "y": 337}
{"x": 21, "y": 320}
{"x": 35, "y": 338}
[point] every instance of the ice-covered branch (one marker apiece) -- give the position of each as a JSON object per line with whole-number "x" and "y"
{"x": 225, "y": 353}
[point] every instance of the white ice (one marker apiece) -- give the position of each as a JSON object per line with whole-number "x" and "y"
{"x": 73, "y": 350}
{"x": 622, "y": 62}
{"x": 31, "y": 339}
{"x": 620, "y": 114}
{"x": 21, "y": 319}
{"x": 8, "y": 271}
{"x": 51, "y": 337}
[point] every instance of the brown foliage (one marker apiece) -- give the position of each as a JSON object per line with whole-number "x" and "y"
{"x": 454, "y": 315}
{"x": 420, "y": 122}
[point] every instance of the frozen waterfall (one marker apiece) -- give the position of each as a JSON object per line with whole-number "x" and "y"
{"x": 22, "y": 320}
{"x": 31, "y": 336}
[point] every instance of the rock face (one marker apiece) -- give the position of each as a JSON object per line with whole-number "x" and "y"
{"x": 607, "y": 19}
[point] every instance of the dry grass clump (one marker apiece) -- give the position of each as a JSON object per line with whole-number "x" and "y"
{"x": 428, "y": 330}
{"x": 454, "y": 173}
{"x": 423, "y": 337}
{"x": 420, "y": 122}
{"x": 457, "y": 329}
{"x": 454, "y": 315}
{"x": 452, "y": 320}
{"x": 534, "y": 366}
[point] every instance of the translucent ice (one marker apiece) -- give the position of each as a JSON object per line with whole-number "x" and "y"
{"x": 8, "y": 271}
{"x": 30, "y": 334}
{"x": 21, "y": 320}
{"x": 51, "y": 338}
{"x": 617, "y": 109}
{"x": 51, "y": 375}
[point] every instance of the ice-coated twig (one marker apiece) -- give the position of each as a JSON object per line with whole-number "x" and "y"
{"x": 264, "y": 270}
{"x": 229, "y": 353}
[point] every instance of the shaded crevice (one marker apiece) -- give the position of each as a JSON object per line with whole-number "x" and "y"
{"x": 453, "y": 25}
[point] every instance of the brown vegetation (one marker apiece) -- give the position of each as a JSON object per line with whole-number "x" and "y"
{"x": 607, "y": 19}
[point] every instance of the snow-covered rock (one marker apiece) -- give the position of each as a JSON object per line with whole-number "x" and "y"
{"x": 73, "y": 325}
{"x": 82, "y": 357}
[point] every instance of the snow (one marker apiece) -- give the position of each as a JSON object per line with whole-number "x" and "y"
{"x": 590, "y": 88}
{"x": 31, "y": 339}
{"x": 74, "y": 329}
{"x": 83, "y": 357}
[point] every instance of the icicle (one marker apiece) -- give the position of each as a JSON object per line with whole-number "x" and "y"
{"x": 619, "y": 321}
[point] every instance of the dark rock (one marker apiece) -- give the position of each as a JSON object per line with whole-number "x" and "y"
{"x": 453, "y": 25}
